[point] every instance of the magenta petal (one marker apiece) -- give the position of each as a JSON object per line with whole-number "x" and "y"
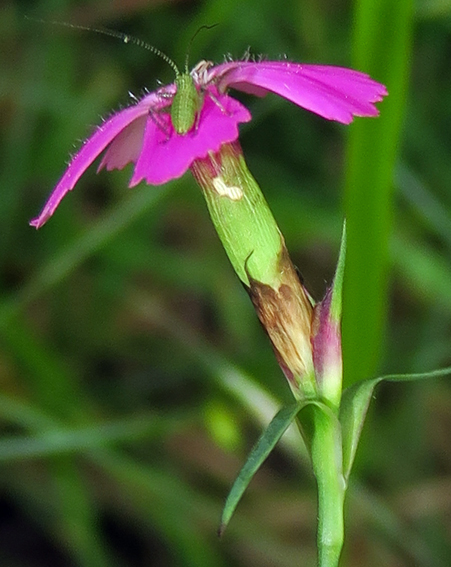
{"x": 91, "y": 148}
{"x": 126, "y": 146}
{"x": 335, "y": 93}
{"x": 167, "y": 155}
{"x": 94, "y": 145}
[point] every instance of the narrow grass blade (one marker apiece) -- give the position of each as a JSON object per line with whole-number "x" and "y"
{"x": 382, "y": 47}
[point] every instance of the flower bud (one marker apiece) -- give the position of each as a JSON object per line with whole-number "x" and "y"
{"x": 326, "y": 346}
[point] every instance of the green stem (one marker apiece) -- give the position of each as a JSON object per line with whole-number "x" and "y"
{"x": 326, "y": 452}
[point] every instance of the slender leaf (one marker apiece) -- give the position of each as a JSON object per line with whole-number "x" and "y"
{"x": 257, "y": 456}
{"x": 354, "y": 407}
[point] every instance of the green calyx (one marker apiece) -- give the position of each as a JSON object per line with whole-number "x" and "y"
{"x": 257, "y": 251}
{"x": 241, "y": 215}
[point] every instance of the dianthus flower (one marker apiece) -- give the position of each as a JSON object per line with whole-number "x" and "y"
{"x": 193, "y": 124}
{"x": 144, "y": 133}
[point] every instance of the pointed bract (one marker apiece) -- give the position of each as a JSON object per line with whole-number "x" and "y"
{"x": 326, "y": 351}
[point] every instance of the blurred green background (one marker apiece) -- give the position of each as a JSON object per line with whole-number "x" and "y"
{"x": 134, "y": 375}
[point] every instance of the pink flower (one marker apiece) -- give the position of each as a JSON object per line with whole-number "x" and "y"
{"x": 144, "y": 133}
